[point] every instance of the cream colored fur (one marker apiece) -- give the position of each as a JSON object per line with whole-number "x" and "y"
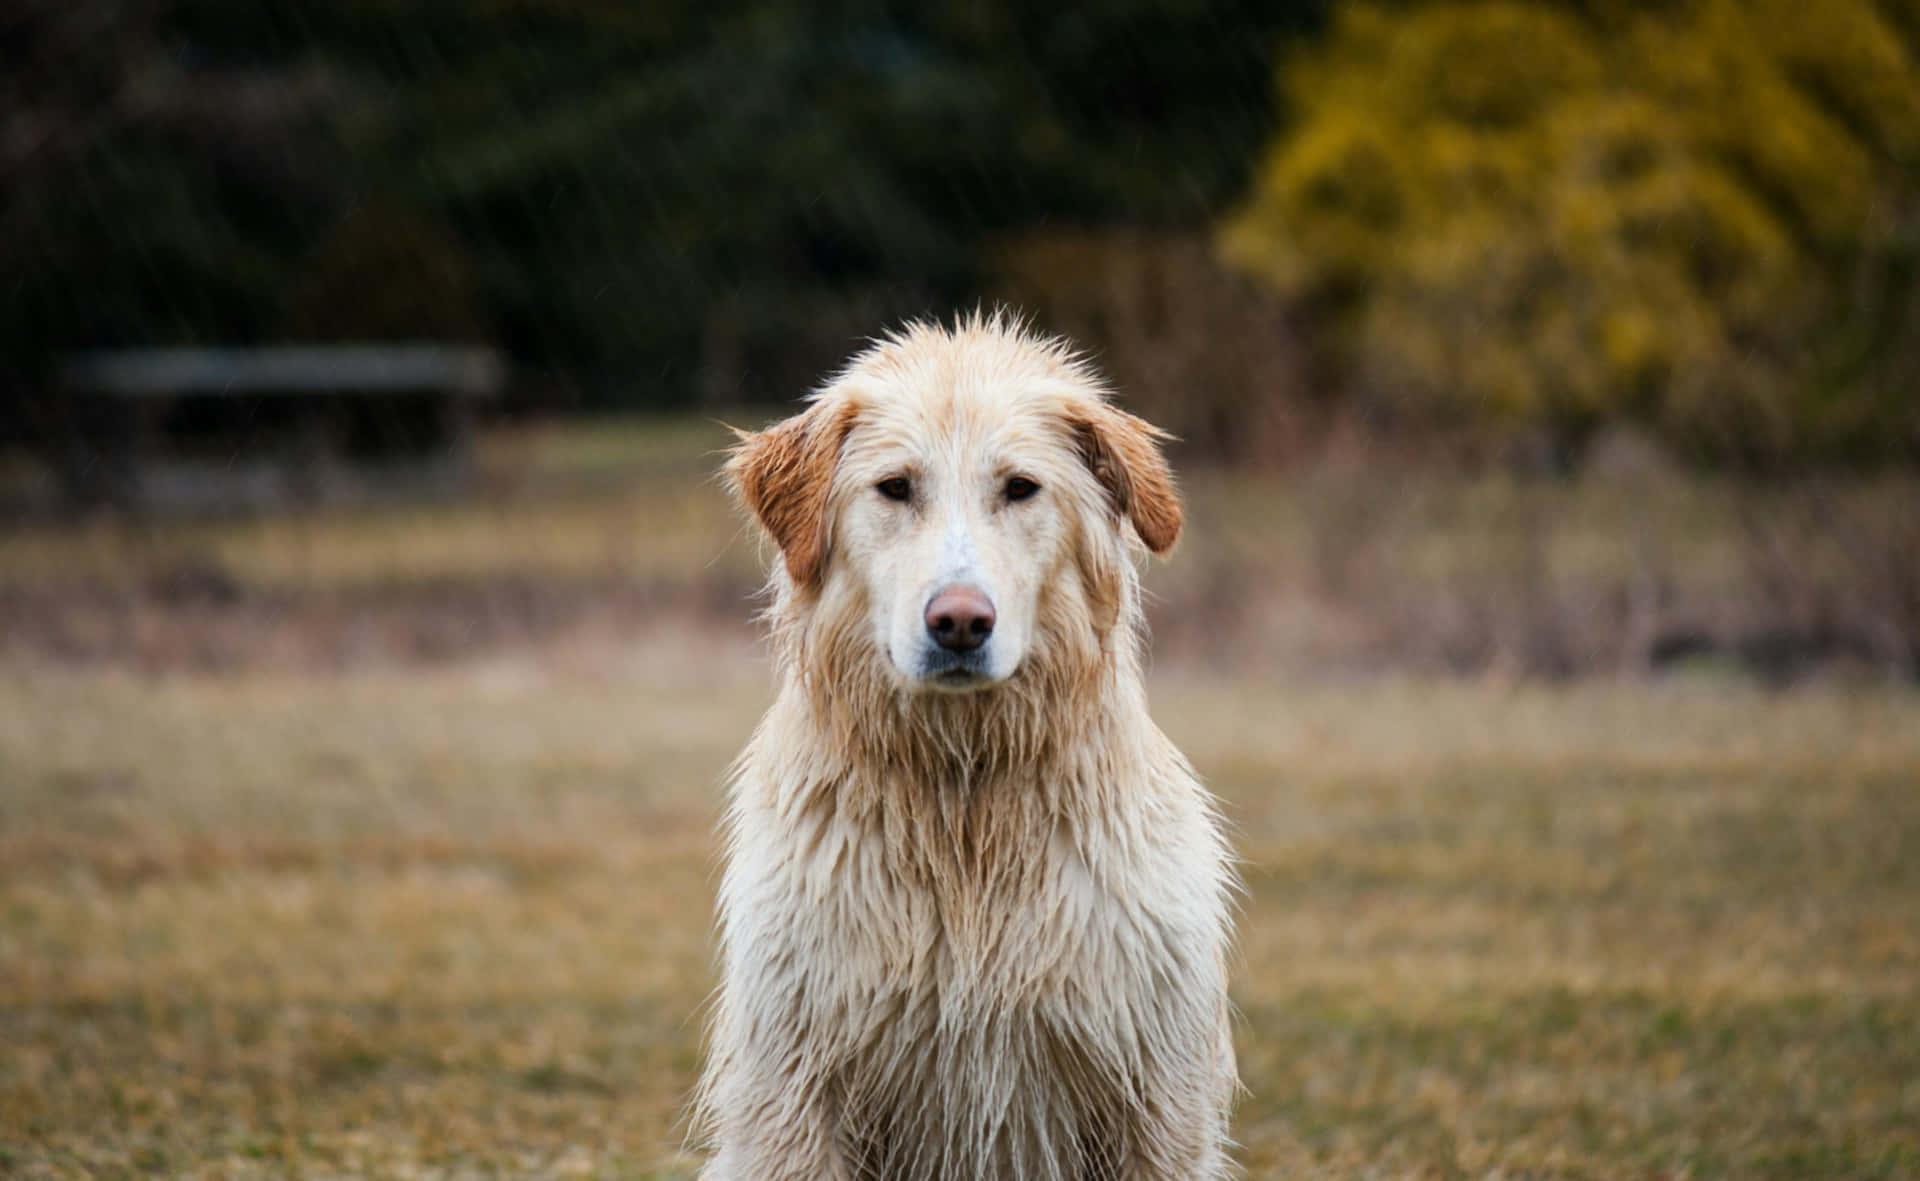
{"x": 973, "y": 932}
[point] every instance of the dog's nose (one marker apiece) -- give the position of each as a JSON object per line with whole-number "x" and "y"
{"x": 960, "y": 618}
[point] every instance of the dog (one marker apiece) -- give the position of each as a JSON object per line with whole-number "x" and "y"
{"x": 975, "y": 916}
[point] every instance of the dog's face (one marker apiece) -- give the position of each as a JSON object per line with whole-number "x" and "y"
{"x": 952, "y": 522}
{"x": 954, "y": 495}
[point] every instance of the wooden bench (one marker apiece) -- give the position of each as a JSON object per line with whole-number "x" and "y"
{"x": 309, "y": 411}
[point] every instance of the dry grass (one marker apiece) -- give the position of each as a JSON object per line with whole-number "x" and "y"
{"x": 442, "y": 907}
{"x": 455, "y": 922}
{"x": 633, "y": 498}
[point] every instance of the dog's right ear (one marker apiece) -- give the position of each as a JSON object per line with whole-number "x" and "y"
{"x": 784, "y": 474}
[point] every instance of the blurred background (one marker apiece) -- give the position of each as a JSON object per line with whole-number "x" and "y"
{"x": 374, "y": 633}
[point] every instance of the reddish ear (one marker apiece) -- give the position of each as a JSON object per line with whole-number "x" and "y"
{"x": 784, "y": 474}
{"x": 1124, "y": 453}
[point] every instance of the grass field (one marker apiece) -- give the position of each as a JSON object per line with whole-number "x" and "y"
{"x": 455, "y": 922}
{"x": 345, "y": 906}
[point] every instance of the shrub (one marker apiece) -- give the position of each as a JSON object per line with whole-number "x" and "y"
{"x": 1703, "y": 217}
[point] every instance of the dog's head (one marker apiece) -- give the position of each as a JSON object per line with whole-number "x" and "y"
{"x": 956, "y": 498}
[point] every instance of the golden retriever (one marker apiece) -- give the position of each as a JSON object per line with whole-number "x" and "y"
{"x": 976, "y": 908}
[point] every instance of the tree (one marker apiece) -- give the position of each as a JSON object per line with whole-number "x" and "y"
{"x": 1704, "y": 217}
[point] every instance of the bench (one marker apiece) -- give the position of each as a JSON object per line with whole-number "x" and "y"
{"x": 310, "y": 411}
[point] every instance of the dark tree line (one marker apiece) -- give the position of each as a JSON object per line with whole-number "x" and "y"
{"x": 644, "y": 203}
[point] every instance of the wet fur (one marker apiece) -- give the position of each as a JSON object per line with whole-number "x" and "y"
{"x": 968, "y": 935}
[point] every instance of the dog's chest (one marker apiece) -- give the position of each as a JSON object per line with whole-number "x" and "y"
{"x": 1003, "y": 939}
{"x": 1006, "y": 988}
{"x": 948, "y": 908}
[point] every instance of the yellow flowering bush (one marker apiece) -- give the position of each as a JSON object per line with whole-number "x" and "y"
{"x": 1703, "y": 216}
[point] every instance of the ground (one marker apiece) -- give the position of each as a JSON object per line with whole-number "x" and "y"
{"x": 456, "y": 922}
{"x": 386, "y": 915}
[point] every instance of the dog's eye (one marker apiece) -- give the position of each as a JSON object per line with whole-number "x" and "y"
{"x": 895, "y": 488}
{"x": 1019, "y": 488}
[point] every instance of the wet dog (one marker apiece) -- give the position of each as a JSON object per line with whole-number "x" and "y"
{"x": 975, "y": 915}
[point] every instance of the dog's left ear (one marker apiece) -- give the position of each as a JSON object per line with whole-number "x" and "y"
{"x": 1124, "y": 453}
{"x": 784, "y": 474}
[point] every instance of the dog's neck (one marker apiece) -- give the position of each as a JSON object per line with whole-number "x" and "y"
{"x": 1033, "y": 730}
{"x": 973, "y": 792}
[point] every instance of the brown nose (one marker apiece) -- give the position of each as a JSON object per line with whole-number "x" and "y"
{"x": 960, "y": 618}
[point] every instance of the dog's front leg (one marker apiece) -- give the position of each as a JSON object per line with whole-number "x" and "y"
{"x": 1186, "y": 1146}
{"x": 775, "y": 1128}
{"x": 770, "y": 1101}
{"x": 1182, "y": 1136}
